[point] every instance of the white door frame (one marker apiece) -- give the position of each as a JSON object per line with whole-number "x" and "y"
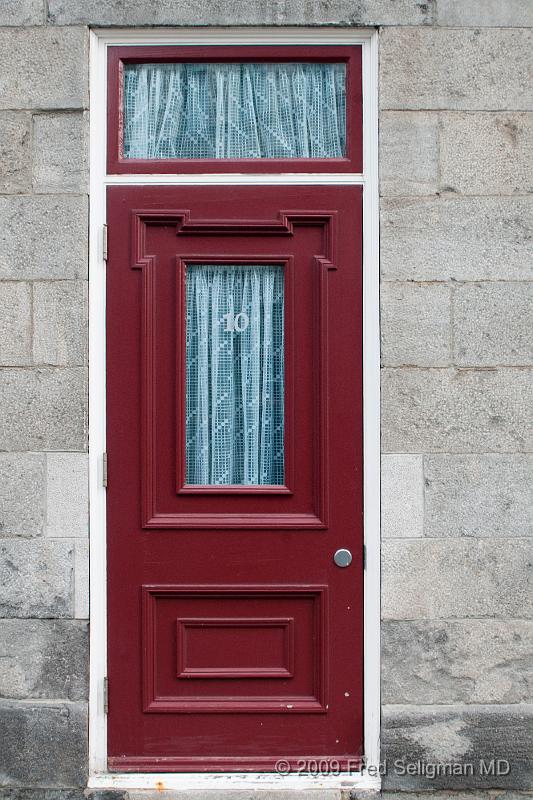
{"x": 99, "y": 777}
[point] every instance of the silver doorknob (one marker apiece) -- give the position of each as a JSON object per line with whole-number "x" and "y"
{"x": 342, "y": 558}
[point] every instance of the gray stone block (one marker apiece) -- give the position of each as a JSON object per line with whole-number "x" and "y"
{"x": 43, "y": 745}
{"x": 67, "y": 500}
{"x": 493, "y": 324}
{"x": 57, "y": 245}
{"x": 60, "y": 152}
{"x": 15, "y": 155}
{"x": 43, "y": 659}
{"x": 415, "y": 325}
{"x": 486, "y": 153}
{"x": 15, "y": 324}
{"x": 467, "y": 794}
{"x": 478, "y": 495}
{"x": 456, "y": 734}
{"x": 81, "y": 579}
{"x": 12, "y": 793}
{"x": 455, "y": 578}
{"x": 86, "y": 12}
{"x": 409, "y": 153}
{"x": 106, "y": 794}
{"x": 461, "y": 238}
{"x": 417, "y": 72}
{"x": 22, "y": 494}
{"x": 464, "y": 661}
{"x": 60, "y": 323}
{"x": 21, "y": 12}
{"x": 402, "y": 496}
{"x": 43, "y": 68}
{"x": 454, "y": 411}
{"x": 43, "y": 409}
{"x": 36, "y": 578}
{"x": 488, "y": 13}
{"x": 283, "y": 12}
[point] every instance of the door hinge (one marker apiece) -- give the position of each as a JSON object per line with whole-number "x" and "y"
{"x": 106, "y": 695}
{"x": 104, "y": 242}
{"x": 104, "y": 470}
{"x": 364, "y": 556}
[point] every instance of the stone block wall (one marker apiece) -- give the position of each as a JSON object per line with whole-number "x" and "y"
{"x": 456, "y": 125}
{"x": 44, "y": 593}
{"x": 457, "y": 408}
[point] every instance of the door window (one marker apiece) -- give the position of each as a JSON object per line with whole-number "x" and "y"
{"x": 235, "y": 374}
{"x": 247, "y": 110}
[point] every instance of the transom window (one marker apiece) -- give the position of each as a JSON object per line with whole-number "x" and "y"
{"x": 235, "y": 109}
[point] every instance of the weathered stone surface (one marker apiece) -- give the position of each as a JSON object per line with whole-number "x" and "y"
{"x": 454, "y": 578}
{"x": 91, "y": 12}
{"x": 493, "y": 324}
{"x": 21, "y": 12}
{"x": 454, "y": 411}
{"x": 22, "y": 494}
{"x": 402, "y": 496}
{"x": 466, "y": 661}
{"x": 12, "y": 793}
{"x": 409, "y": 155}
{"x": 15, "y": 324}
{"x": 461, "y": 238}
{"x": 416, "y": 71}
{"x": 486, "y": 153}
{"x": 477, "y": 794}
{"x": 36, "y": 578}
{"x": 67, "y": 495}
{"x": 60, "y": 152}
{"x": 43, "y": 409}
{"x": 457, "y": 734}
{"x": 81, "y": 579}
{"x": 15, "y": 170}
{"x": 43, "y": 68}
{"x": 43, "y": 237}
{"x": 415, "y": 325}
{"x": 60, "y": 323}
{"x": 488, "y": 13}
{"x": 43, "y": 744}
{"x": 44, "y": 658}
{"x": 283, "y": 12}
{"x": 478, "y": 495}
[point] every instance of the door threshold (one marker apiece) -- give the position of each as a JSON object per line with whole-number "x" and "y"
{"x": 230, "y": 781}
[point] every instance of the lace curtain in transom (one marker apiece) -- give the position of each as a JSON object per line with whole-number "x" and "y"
{"x": 235, "y": 375}
{"x": 270, "y": 110}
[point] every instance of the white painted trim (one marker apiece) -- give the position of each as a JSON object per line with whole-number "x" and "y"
{"x": 266, "y": 179}
{"x": 97, "y": 431}
{"x": 100, "y": 40}
{"x": 236, "y": 35}
{"x": 371, "y": 408}
{"x": 253, "y": 781}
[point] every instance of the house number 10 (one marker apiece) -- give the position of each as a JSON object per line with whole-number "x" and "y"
{"x": 236, "y": 322}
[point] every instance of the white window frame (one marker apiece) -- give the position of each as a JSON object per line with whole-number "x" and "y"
{"x": 99, "y": 777}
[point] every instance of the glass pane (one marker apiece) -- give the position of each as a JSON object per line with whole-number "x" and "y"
{"x": 235, "y": 375}
{"x": 295, "y": 110}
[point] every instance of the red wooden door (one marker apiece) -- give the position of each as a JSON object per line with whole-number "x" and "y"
{"x": 234, "y": 639}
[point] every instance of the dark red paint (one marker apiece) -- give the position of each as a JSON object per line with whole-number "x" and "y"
{"x": 233, "y": 638}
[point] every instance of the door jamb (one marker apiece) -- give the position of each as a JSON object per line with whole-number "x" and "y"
{"x": 100, "y": 39}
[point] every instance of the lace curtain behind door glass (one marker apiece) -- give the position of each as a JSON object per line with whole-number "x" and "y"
{"x": 235, "y": 375}
{"x": 270, "y": 110}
